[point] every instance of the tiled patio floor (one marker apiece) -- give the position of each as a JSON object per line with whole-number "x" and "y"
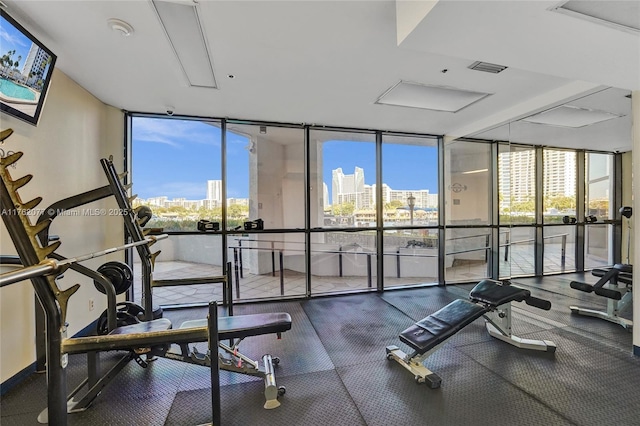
{"x": 251, "y": 286}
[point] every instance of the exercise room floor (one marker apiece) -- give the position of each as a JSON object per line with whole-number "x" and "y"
{"x": 334, "y": 367}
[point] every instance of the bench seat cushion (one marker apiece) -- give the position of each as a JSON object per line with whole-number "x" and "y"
{"x": 439, "y": 326}
{"x": 241, "y": 326}
{"x": 160, "y": 324}
{"x": 495, "y": 294}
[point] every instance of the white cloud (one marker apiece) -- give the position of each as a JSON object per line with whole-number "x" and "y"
{"x": 173, "y": 132}
{"x": 11, "y": 39}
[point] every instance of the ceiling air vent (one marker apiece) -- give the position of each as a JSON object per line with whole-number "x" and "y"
{"x": 487, "y": 67}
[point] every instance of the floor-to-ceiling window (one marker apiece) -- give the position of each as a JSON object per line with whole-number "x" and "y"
{"x": 265, "y": 209}
{"x": 517, "y": 205}
{"x": 559, "y": 184}
{"x": 598, "y": 210}
{"x": 343, "y": 218}
{"x": 410, "y": 209}
{"x": 176, "y": 171}
{"x": 304, "y": 210}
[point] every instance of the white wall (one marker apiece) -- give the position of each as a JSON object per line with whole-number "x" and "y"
{"x": 62, "y": 153}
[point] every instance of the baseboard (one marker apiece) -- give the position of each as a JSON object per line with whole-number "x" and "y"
{"x": 88, "y": 330}
{"x": 30, "y": 369}
{"x": 17, "y": 378}
{"x": 636, "y": 350}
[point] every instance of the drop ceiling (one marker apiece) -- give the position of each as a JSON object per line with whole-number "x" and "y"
{"x": 326, "y": 62}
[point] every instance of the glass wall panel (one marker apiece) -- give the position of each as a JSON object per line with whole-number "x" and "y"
{"x": 410, "y": 257}
{"x": 467, "y": 183}
{"x": 343, "y": 178}
{"x": 183, "y": 257}
{"x": 343, "y": 261}
{"x": 559, "y": 248}
{"x": 597, "y": 250}
{"x": 518, "y": 251}
{"x": 267, "y": 265}
{"x": 599, "y": 207}
{"x": 176, "y": 170}
{"x": 409, "y": 181}
{"x": 265, "y": 176}
{"x": 559, "y": 185}
{"x": 467, "y": 254}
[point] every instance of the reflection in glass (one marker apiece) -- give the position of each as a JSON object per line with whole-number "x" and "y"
{"x": 559, "y": 249}
{"x": 343, "y": 261}
{"x": 467, "y": 183}
{"x": 559, "y": 185}
{"x": 597, "y": 251}
{"x": 517, "y": 251}
{"x": 467, "y": 254}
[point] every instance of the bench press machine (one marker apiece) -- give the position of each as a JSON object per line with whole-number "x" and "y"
{"x": 153, "y": 337}
{"x": 616, "y": 285}
{"x": 488, "y": 299}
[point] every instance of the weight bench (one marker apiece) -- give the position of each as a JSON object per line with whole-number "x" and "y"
{"x": 490, "y": 299}
{"x": 616, "y": 285}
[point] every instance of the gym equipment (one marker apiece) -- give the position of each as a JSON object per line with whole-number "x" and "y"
{"x": 120, "y": 275}
{"x": 144, "y": 215}
{"x": 568, "y": 220}
{"x": 153, "y": 337}
{"x": 591, "y": 219}
{"x": 53, "y": 266}
{"x": 489, "y": 299}
{"x": 615, "y": 284}
{"x": 257, "y": 224}
{"x": 207, "y": 225}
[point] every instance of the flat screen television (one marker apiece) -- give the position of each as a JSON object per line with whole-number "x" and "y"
{"x": 26, "y": 66}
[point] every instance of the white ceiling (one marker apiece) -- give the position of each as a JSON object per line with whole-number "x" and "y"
{"x": 326, "y": 62}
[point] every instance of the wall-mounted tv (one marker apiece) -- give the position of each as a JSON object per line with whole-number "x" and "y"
{"x": 26, "y": 66}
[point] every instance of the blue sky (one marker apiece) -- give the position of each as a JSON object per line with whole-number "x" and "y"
{"x": 175, "y": 158}
{"x": 12, "y": 39}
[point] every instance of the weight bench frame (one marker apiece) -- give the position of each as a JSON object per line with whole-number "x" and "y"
{"x": 498, "y": 323}
{"x": 616, "y": 285}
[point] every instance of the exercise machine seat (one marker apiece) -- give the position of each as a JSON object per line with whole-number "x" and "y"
{"x": 439, "y": 326}
{"x": 239, "y": 327}
{"x": 495, "y": 295}
{"x": 160, "y": 324}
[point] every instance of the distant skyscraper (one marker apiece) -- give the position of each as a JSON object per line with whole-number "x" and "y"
{"x": 214, "y": 190}
{"x": 348, "y": 188}
{"x": 36, "y": 63}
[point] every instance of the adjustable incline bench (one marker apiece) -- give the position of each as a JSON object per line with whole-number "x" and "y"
{"x": 490, "y": 299}
{"x": 616, "y": 285}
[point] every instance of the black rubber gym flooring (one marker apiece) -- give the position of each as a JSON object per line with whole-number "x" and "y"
{"x": 334, "y": 367}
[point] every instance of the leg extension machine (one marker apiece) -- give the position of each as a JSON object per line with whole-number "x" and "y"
{"x": 615, "y": 284}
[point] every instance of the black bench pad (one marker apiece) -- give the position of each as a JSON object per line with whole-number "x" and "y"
{"x": 439, "y": 326}
{"x": 241, "y": 326}
{"x": 160, "y": 324}
{"x": 495, "y": 294}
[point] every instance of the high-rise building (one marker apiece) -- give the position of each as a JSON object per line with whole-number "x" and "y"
{"x": 35, "y": 64}
{"x": 348, "y": 188}
{"x": 214, "y": 191}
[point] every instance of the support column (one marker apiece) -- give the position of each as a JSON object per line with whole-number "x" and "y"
{"x": 635, "y": 134}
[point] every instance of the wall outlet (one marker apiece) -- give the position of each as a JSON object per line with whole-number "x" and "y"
{"x": 92, "y": 304}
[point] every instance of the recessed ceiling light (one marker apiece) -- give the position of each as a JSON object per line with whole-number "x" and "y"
{"x": 185, "y": 33}
{"x": 571, "y": 116}
{"x": 119, "y": 26}
{"x": 622, "y": 15}
{"x": 416, "y": 95}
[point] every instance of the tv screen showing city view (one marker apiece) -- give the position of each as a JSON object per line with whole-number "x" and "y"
{"x": 26, "y": 66}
